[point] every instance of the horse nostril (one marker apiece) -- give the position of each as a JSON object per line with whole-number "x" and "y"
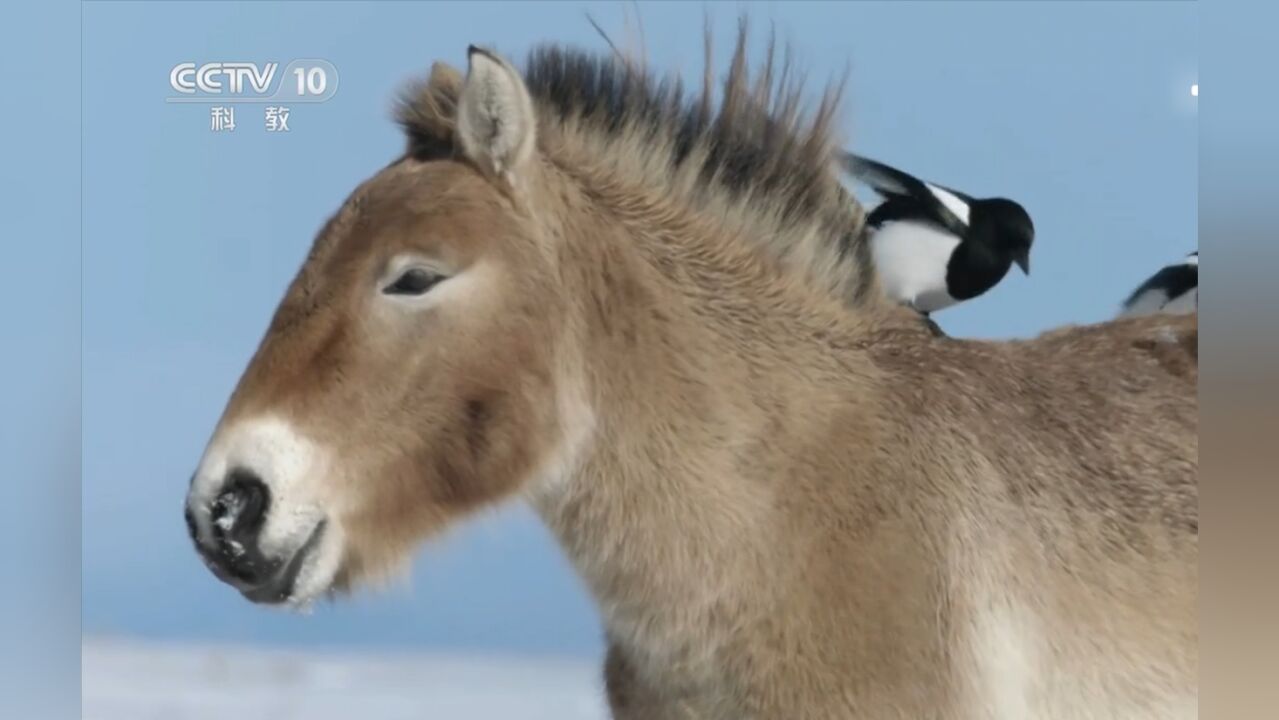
{"x": 237, "y": 516}
{"x": 241, "y": 507}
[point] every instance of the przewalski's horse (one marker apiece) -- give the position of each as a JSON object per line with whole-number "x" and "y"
{"x": 654, "y": 320}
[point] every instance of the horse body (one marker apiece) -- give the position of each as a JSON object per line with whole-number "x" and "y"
{"x": 657, "y": 323}
{"x": 856, "y": 519}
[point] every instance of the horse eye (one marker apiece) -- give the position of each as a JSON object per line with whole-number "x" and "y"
{"x": 414, "y": 281}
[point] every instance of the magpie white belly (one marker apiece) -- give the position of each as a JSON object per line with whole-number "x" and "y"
{"x": 1156, "y": 300}
{"x": 1187, "y": 303}
{"x": 911, "y": 260}
{"x": 1147, "y": 303}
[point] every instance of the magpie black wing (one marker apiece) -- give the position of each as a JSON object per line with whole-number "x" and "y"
{"x": 883, "y": 179}
{"x": 1173, "y": 281}
{"x": 904, "y": 193}
{"x": 907, "y": 208}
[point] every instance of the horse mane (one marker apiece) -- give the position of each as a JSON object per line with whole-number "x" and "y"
{"x": 761, "y": 162}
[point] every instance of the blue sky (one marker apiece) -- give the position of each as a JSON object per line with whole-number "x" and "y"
{"x": 1080, "y": 111}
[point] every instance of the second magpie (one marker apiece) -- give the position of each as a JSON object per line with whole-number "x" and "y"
{"x": 1174, "y": 289}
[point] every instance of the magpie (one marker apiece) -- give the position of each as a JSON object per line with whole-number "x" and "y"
{"x": 933, "y": 246}
{"x": 1174, "y": 289}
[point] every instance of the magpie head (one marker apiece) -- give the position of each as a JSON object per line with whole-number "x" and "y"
{"x": 1011, "y": 229}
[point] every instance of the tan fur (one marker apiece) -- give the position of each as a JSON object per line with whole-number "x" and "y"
{"x": 788, "y": 497}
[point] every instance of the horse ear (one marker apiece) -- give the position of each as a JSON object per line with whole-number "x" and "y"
{"x": 496, "y": 126}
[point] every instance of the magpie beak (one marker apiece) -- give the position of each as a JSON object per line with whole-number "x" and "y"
{"x": 1022, "y": 259}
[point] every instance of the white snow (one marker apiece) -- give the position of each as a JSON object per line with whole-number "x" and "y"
{"x": 137, "y": 680}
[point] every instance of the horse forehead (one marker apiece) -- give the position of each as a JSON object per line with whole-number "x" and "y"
{"x": 409, "y": 179}
{"x": 396, "y": 199}
{"x": 416, "y": 196}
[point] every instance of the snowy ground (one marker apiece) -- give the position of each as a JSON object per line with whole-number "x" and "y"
{"x": 129, "y": 680}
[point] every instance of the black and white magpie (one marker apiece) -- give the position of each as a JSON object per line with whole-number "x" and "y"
{"x": 934, "y": 247}
{"x": 1174, "y": 289}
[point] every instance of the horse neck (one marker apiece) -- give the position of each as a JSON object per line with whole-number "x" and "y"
{"x": 688, "y": 353}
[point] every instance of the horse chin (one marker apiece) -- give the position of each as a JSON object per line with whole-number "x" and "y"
{"x": 317, "y": 568}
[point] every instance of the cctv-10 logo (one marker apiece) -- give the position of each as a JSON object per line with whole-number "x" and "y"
{"x": 303, "y": 81}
